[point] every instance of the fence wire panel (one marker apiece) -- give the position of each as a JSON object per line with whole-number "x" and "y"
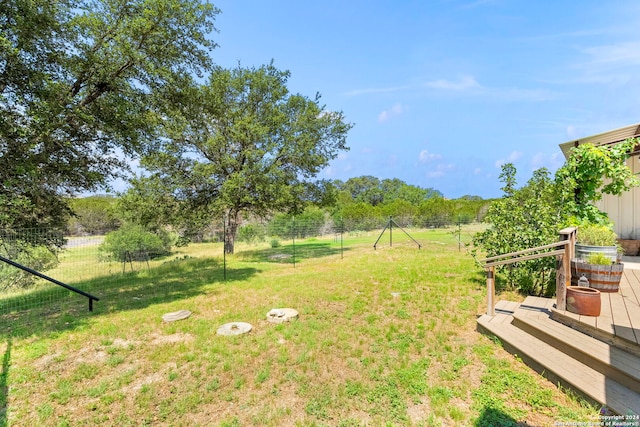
{"x": 81, "y": 262}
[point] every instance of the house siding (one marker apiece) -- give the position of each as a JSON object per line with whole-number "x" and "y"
{"x": 624, "y": 210}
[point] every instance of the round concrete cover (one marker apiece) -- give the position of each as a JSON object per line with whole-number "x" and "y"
{"x": 279, "y": 315}
{"x": 234, "y": 328}
{"x": 176, "y": 315}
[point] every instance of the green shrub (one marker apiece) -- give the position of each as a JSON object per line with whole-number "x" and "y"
{"x": 135, "y": 243}
{"x": 38, "y": 258}
{"x": 275, "y": 243}
{"x": 596, "y": 235}
{"x": 524, "y": 218}
{"x": 251, "y": 233}
{"x": 598, "y": 258}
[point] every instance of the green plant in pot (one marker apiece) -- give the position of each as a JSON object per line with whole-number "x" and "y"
{"x": 598, "y": 258}
{"x": 601, "y": 271}
{"x": 596, "y": 238}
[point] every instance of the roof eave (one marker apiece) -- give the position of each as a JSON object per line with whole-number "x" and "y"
{"x": 605, "y": 138}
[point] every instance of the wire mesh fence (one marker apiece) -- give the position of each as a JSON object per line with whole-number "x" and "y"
{"x": 139, "y": 274}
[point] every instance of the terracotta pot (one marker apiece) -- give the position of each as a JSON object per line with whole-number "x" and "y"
{"x": 631, "y": 247}
{"x": 583, "y": 301}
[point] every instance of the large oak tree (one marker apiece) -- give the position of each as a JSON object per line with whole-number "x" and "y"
{"x": 80, "y": 86}
{"x": 245, "y": 144}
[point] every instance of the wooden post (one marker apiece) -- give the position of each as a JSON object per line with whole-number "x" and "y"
{"x": 563, "y": 269}
{"x": 491, "y": 288}
{"x": 561, "y": 284}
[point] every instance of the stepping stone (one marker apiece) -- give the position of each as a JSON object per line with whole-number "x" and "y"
{"x": 280, "y": 315}
{"x": 234, "y": 328}
{"x": 176, "y": 315}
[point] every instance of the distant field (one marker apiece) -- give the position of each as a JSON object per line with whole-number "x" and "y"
{"x": 385, "y": 337}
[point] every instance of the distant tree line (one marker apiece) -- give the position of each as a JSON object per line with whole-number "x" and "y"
{"x": 366, "y": 202}
{"x": 360, "y": 203}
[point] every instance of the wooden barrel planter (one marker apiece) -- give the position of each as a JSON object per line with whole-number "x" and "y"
{"x": 605, "y": 278}
{"x": 583, "y": 251}
{"x": 583, "y": 301}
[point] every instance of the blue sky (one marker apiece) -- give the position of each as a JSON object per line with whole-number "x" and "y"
{"x": 443, "y": 92}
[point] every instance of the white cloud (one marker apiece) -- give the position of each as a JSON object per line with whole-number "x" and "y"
{"x": 515, "y": 94}
{"x": 469, "y": 85}
{"x": 539, "y": 160}
{"x": 551, "y": 162}
{"x": 367, "y": 91}
{"x": 463, "y": 83}
{"x": 440, "y": 170}
{"x": 512, "y": 158}
{"x": 425, "y": 156}
{"x": 477, "y": 171}
{"x": 613, "y": 64}
{"x": 615, "y": 56}
{"x": 572, "y": 132}
{"x": 394, "y": 111}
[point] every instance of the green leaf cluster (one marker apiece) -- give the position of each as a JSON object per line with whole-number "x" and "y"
{"x": 134, "y": 243}
{"x": 37, "y": 257}
{"x": 591, "y": 171}
{"x": 531, "y": 216}
{"x": 241, "y": 143}
{"x": 82, "y": 85}
{"x": 596, "y": 235}
{"x": 525, "y": 218}
{"x": 598, "y": 258}
{"x": 94, "y": 215}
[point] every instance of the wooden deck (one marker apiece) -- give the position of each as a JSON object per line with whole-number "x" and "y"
{"x": 619, "y": 320}
{"x": 598, "y": 357}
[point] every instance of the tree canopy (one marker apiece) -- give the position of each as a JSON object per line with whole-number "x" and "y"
{"x": 242, "y": 143}
{"x": 80, "y": 86}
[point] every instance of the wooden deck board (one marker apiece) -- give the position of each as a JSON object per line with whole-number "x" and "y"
{"x": 534, "y": 307}
{"x": 504, "y": 311}
{"x": 605, "y": 321}
{"x": 606, "y": 348}
{"x": 630, "y": 296}
{"x": 634, "y": 276}
{"x": 559, "y": 366}
{"x": 620, "y": 313}
{"x": 582, "y": 343}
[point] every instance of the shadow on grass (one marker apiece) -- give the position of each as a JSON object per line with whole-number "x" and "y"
{"x": 285, "y": 254}
{"x": 492, "y": 417}
{"x": 6, "y": 360}
{"x": 60, "y": 309}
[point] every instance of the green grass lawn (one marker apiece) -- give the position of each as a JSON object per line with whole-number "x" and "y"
{"x": 385, "y": 337}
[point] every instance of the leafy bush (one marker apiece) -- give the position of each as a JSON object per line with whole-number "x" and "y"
{"x": 251, "y": 233}
{"x": 598, "y": 258}
{"x": 134, "y": 242}
{"x": 38, "y": 258}
{"x": 524, "y": 218}
{"x": 594, "y": 170}
{"x": 275, "y": 243}
{"x": 596, "y": 235}
{"x": 311, "y": 222}
{"x": 93, "y": 215}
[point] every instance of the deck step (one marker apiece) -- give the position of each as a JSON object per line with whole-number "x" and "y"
{"x": 558, "y": 366}
{"x": 615, "y": 363}
{"x": 572, "y": 320}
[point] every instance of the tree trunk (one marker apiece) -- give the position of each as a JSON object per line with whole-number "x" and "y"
{"x": 231, "y": 227}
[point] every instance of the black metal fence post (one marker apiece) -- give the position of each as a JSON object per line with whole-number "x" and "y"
{"x": 224, "y": 246}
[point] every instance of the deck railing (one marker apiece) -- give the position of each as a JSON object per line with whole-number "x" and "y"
{"x": 567, "y": 242}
